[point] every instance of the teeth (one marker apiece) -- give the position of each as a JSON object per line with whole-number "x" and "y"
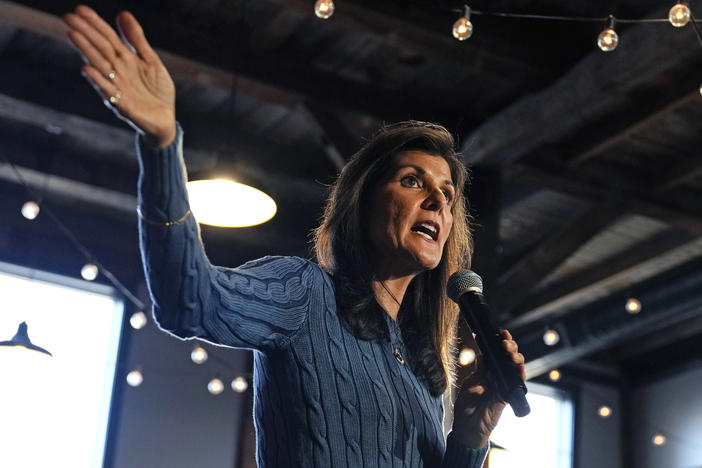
{"x": 425, "y": 235}
{"x": 429, "y": 226}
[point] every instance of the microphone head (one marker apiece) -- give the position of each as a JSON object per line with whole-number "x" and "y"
{"x": 463, "y": 281}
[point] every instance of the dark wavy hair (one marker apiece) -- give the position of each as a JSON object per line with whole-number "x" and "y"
{"x": 342, "y": 247}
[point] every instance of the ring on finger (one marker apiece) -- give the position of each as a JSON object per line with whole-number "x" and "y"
{"x": 111, "y": 76}
{"x": 115, "y": 98}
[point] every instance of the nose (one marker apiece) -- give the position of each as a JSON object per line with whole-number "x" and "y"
{"x": 435, "y": 199}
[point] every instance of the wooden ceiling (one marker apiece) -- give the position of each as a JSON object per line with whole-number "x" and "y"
{"x": 587, "y": 168}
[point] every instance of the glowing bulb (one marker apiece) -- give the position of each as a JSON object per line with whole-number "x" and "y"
{"x": 199, "y": 355}
{"x": 229, "y": 204}
{"x": 89, "y": 272}
{"x": 679, "y": 15}
{"x": 240, "y": 384}
{"x": 137, "y": 320}
{"x": 463, "y": 28}
{"x": 324, "y": 8}
{"x": 608, "y": 40}
{"x": 633, "y": 305}
{"x": 551, "y": 337}
{"x": 554, "y": 375}
{"x": 658, "y": 439}
{"x": 30, "y": 210}
{"x": 466, "y": 356}
{"x": 215, "y": 386}
{"x": 700, "y": 89}
{"x": 135, "y": 378}
{"x": 604, "y": 411}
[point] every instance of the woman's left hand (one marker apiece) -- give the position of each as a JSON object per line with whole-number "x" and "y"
{"x": 478, "y": 406}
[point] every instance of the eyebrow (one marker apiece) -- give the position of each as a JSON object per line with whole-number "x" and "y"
{"x": 422, "y": 171}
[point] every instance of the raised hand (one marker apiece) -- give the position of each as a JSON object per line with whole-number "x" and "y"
{"x": 478, "y": 406}
{"x": 126, "y": 72}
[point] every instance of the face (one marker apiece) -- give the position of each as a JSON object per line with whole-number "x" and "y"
{"x": 410, "y": 214}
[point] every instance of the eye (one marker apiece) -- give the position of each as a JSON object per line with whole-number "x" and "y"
{"x": 448, "y": 194}
{"x": 410, "y": 181}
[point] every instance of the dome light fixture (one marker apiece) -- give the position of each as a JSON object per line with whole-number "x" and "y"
{"x": 215, "y": 386}
{"x": 138, "y": 320}
{"x": 239, "y": 384}
{"x": 30, "y": 210}
{"x": 604, "y": 411}
{"x": 554, "y": 375}
{"x": 225, "y": 203}
{"x": 551, "y": 337}
{"x": 21, "y": 338}
{"x": 198, "y": 355}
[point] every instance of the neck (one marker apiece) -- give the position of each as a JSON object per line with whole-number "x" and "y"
{"x": 391, "y": 295}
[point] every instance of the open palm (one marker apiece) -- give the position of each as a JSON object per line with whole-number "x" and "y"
{"x": 126, "y": 72}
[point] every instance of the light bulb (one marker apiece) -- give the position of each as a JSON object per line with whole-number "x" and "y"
{"x": 466, "y": 356}
{"x": 658, "y": 439}
{"x": 225, "y": 203}
{"x": 135, "y": 378}
{"x": 324, "y": 8}
{"x": 240, "y": 384}
{"x": 604, "y": 411}
{"x": 89, "y": 271}
{"x": 463, "y": 28}
{"x": 633, "y": 305}
{"x": 199, "y": 355}
{"x": 554, "y": 375}
{"x": 700, "y": 89}
{"x": 679, "y": 15}
{"x": 551, "y": 337}
{"x": 608, "y": 40}
{"x": 137, "y": 320}
{"x": 30, "y": 210}
{"x": 215, "y": 386}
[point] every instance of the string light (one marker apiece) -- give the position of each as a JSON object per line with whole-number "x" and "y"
{"x": 551, "y": 337}
{"x": 679, "y": 14}
{"x": 633, "y": 305}
{"x": 466, "y": 356}
{"x": 30, "y": 210}
{"x": 604, "y": 411}
{"x": 554, "y": 375}
{"x": 198, "y": 355}
{"x": 658, "y": 439}
{"x": 89, "y": 271}
{"x": 324, "y": 8}
{"x": 240, "y": 384}
{"x": 137, "y": 320}
{"x": 608, "y": 38}
{"x": 215, "y": 386}
{"x": 463, "y": 28}
{"x": 135, "y": 378}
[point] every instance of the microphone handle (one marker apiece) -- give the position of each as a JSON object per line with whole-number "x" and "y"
{"x": 502, "y": 370}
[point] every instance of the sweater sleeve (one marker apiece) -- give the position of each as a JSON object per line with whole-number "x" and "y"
{"x": 460, "y": 455}
{"x": 258, "y": 305}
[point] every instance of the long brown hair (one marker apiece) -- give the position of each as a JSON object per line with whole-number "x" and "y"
{"x": 343, "y": 249}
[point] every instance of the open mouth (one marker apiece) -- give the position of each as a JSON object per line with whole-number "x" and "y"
{"x": 428, "y": 229}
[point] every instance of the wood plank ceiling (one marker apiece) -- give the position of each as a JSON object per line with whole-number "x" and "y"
{"x": 596, "y": 172}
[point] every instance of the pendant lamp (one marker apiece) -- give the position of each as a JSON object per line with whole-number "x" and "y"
{"x": 21, "y": 338}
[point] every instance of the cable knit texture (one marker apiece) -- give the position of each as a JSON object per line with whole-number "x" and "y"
{"x": 322, "y": 397}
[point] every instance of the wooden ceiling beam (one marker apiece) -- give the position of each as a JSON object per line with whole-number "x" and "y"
{"x": 181, "y": 68}
{"x": 596, "y": 87}
{"x": 637, "y": 263}
{"x": 515, "y": 284}
{"x": 576, "y": 183}
{"x": 635, "y": 120}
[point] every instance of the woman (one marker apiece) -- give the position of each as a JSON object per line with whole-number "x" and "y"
{"x": 352, "y": 355}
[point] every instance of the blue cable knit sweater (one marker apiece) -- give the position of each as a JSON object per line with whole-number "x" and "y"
{"x": 322, "y": 397}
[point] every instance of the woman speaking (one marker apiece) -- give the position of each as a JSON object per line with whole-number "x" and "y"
{"x": 353, "y": 353}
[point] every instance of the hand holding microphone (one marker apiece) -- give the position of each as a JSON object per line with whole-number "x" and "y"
{"x": 465, "y": 288}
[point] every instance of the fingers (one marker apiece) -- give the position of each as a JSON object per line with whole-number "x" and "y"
{"x": 102, "y": 85}
{"x": 513, "y": 350}
{"x": 102, "y": 28}
{"x": 90, "y": 54}
{"x": 133, "y": 33}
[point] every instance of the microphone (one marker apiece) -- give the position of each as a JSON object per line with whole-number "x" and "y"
{"x": 465, "y": 288}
